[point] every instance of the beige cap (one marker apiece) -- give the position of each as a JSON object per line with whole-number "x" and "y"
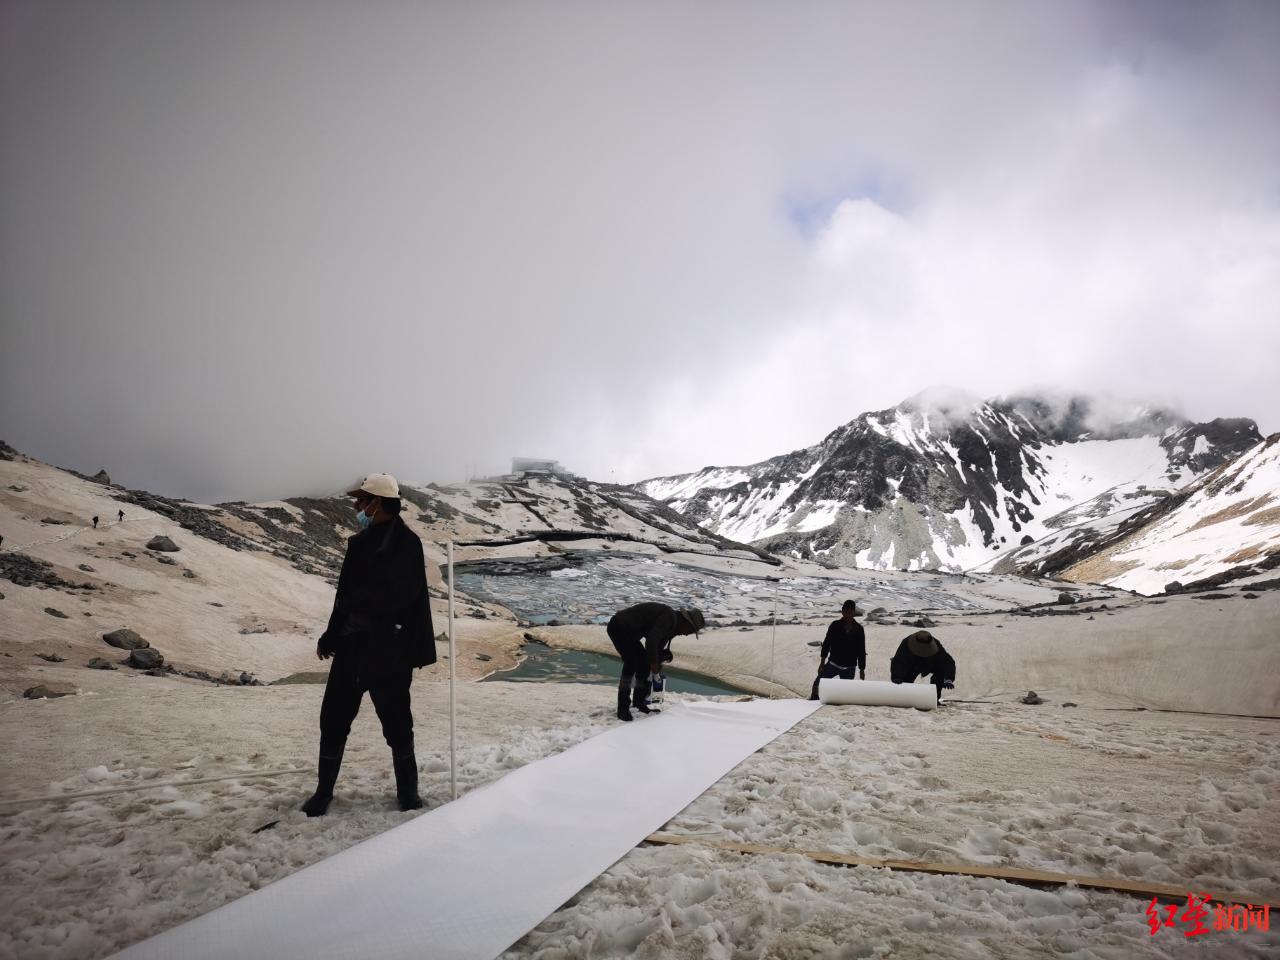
{"x": 378, "y": 484}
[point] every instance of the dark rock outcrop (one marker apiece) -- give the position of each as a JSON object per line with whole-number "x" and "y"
{"x": 145, "y": 658}
{"x": 28, "y": 571}
{"x": 163, "y": 543}
{"x": 51, "y": 690}
{"x": 125, "y": 639}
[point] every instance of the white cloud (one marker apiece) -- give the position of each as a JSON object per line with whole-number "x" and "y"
{"x": 252, "y": 252}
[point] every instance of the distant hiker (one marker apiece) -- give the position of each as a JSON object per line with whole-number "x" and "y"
{"x": 121, "y": 515}
{"x": 380, "y": 630}
{"x": 95, "y": 523}
{"x": 844, "y": 650}
{"x": 656, "y": 624}
{"x": 919, "y": 655}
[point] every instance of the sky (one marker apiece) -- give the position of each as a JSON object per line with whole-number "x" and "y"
{"x": 254, "y": 250}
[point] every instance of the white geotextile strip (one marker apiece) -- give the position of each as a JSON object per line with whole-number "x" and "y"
{"x": 473, "y": 876}
{"x": 878, "y": 693}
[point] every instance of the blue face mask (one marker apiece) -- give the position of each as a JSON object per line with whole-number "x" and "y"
{"x": 363, "y": 519}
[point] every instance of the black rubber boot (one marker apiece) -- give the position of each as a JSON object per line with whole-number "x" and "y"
{"x": 640, "y": 699}
{"x": 406, "y": 768}
{"x": 318, "y": 804}
{"x": 624, "y": 699}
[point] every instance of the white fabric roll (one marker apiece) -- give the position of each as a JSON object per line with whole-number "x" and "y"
{"x": 878, "y": 693}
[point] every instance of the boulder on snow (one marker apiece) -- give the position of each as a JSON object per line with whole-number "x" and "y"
{"x": 924, "y": 623}
{"x": 51, "y": 657}
{"x": 1174, "y": 586}
{"x": 98, "y": 663}
{"x": 1027, "y": 538}
{"x": 53, "y": 612}
{"x": 125, "y": 639}
{"x": 48, "y": 691}
{"x": 86, "y": 568}
{"x": 145, "y": 658}
{"x": 1032, "y": 698}
{"x": 162, "y": 543}
{"x": 877, "y": 613}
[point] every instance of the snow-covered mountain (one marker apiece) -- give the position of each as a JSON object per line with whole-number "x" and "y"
{"x": 948, "y": 481}
{"x": 1223, "y": 527}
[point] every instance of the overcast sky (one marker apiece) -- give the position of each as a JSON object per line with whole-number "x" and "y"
{"x": 254, "y": 249}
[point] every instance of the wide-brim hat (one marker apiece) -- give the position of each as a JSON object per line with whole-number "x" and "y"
{"x": 922, "y": 644}
{"x": 694, "y": 618}
{"x": 377, "y": 485}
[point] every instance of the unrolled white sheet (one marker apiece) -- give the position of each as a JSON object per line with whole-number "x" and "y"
{"x": 878, "y": 693}
{"x": 473, "y": 876}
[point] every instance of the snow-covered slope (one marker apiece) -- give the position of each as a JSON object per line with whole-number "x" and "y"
{"x": 951, "y": 482}
{"x": 249, "y": 586}
{"x": 1223, "y": 527}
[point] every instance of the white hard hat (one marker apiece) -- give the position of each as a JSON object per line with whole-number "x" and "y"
{"x": 378, "y": 484}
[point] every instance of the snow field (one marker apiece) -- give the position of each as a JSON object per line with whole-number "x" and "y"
{"x": 1148, "y": 796}
{"x": 902, "y": 784}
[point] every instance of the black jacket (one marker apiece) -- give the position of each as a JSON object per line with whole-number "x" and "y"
{"x": 382, "y": 586}
{"x": 906, "y": 666}
{"x": 846, "y": 649}
{"x": 652, "y": 622}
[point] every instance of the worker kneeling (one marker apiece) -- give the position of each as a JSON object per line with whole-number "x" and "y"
{"x": 922, "y": 655}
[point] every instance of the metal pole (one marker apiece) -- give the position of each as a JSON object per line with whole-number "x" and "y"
{"x": 773, "y": 643}
{"x": 453, "y": 702}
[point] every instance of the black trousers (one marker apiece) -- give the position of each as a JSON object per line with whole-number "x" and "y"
{"x": 829, "y": 670}
{"x": 635, "y": 666}
{"x": 386, "y": 675}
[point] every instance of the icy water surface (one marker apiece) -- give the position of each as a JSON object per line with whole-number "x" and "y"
{"x": 588, "y": 589}
{"x": 553, "y": 665}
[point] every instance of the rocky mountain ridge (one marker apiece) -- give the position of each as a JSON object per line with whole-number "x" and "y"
{"x": 945, "y": 481}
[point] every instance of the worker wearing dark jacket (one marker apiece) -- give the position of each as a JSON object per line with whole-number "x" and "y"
{"x": 379, "y": 631}
{"x": 844, "y": 650}
{"x": 656, "y": 624}
{"x": 922, "y": 655}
